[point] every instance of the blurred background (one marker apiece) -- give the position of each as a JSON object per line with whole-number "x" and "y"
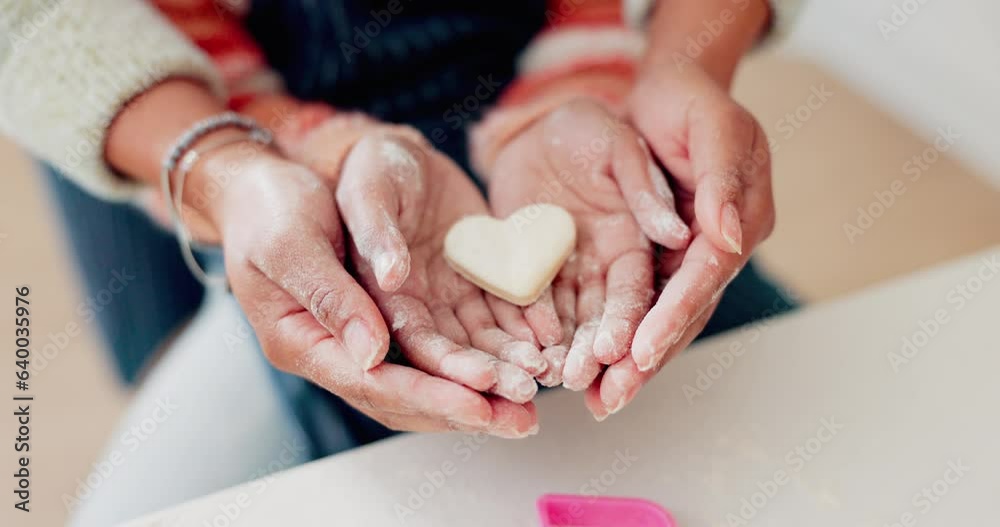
{"x": 866, "y": 99}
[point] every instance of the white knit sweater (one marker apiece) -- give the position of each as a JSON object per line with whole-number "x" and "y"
{"x": 68, "y": 66}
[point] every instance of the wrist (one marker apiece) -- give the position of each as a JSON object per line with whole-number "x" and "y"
{"x": 709, "y": 35}
{"x": 225, "y": 156}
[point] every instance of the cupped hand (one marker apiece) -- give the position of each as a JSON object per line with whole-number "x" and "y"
{"x": 719, "y": 161}
{"x": 284, "y": 249}
{"x": 585, "y": 159}
{"x": 399, "y": 197}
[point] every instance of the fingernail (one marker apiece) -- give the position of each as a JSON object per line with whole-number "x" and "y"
{"x": 616, "y": 384}
{"x": 603, "y": 345}
{"x": 526, "y": 388}
{"x": 361, "y": 343}
{"x": 647, "y": 359}
{"x": 383, "y": 266}
{"x": 732, "y": 231}
{"x": 600, "y": 417}
{"x": 623, "y": 400}
{"x": 575, "y": 365}
{"x": 668, "y": 223}
{"x": 514, "y": 434}
{"x": 473, "y": 421}
{"x": 551, "y": 339}
{"x": 530, "y": 357}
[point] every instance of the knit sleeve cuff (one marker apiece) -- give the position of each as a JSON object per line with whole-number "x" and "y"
{"x": 70, "y": 68}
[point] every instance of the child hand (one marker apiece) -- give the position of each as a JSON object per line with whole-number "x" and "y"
{"x": 581, "y": 157}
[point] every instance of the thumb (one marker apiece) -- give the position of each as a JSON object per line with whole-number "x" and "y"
{"x": 381, "y": 188}
{"x": 726, "y": 160}
{"x": 303, "y": 262}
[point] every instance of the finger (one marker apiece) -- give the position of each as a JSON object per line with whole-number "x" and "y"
{"x": 697, "y": 285}
{"x": 629, "y": 295}
{"x": 728, "y": 154}
{"x": 416, "y": 423}
{"x": 385, "y": 388}
{"x": 512, "y": 420}
{"x": 648, "y": 193}
{"x": 581, "y": 364}
{"x": 432, "y": 352}
{"x": 511, "y": 319}
{"x": 449, "y": 326}
{"x": 564, "y": 299}
{"x": 619, "y": 384}
{"x": 294, "y": 341}
{"x": 381, "y": 178}
{"x": 478, "y": 322}
{"x": 304, "y": 263}
{"x": 623, "y": 380}
{"x": 543, "y": 319}
{"x": 555, "y": 356}
{"x": 409, "y": 391}
{"x": 513, "y": 383}
{"x": 592, "y": 399}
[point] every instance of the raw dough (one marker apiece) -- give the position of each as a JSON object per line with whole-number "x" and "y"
{"x": 517, "y": 258}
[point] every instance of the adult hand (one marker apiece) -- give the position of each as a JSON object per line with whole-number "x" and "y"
{"x": 719, "y": 162}
{"x": 582, "y": 157}
{"x": 284, "y": 246}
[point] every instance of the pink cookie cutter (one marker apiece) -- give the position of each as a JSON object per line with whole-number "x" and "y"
{"x": 567, "y": 510}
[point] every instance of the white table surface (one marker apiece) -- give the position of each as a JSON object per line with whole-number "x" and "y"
{"x": 898, "y": 433}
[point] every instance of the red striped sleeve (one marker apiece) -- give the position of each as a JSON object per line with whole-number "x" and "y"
{"x": 216, "y": 27}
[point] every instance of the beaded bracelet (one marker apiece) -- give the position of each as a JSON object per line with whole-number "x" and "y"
{"x": 182, "y": 158}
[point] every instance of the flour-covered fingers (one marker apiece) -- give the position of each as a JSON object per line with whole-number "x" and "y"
{"x": 581, "y": 364}
{"x": 623, "y": 380}
{"x": 511, "y": 319}
{"x": 629, "y": 295}
{"x": 564, "y": 299}
{"x": 513, "y": 383}
{"x": 511, "y": 420}
{"x": 427, "y": 349}
{"x": 555, "y": 356}
{"x": 544, "y": 320}
{"x": 396, "y": 389}
{"x": 449, "y": 326}
{"x": 302, "y": 261}
{"x": 478, "y": 321}
{"x": 690, "y": 292}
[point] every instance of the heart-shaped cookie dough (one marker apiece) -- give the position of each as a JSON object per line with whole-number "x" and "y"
{"x": 516, "y": 258}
